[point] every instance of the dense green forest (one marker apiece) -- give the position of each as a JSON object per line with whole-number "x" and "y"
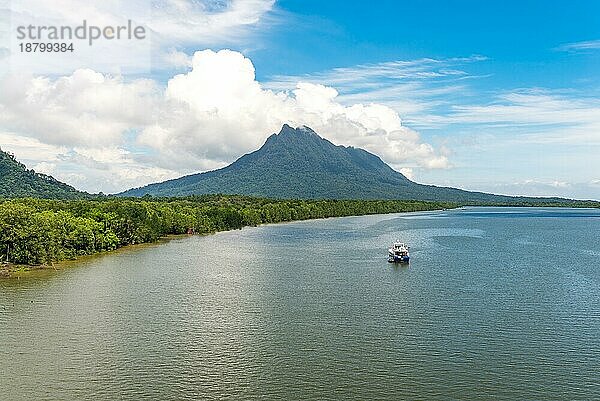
{"x": 41, "y": 231}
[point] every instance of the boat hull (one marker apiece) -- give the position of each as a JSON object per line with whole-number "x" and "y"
{"x": 398, "y": 259}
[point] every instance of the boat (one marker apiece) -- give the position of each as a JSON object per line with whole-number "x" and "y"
{"x": 398, "y": 253}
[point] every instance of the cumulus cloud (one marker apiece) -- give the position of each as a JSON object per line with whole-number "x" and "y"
{"x": 227, "y": 112}
{"x": 138, "y": 131}
{"x": 86, "y": 108}
{"x": 408, "y": 173}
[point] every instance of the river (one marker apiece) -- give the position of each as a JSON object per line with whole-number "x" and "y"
{"x": 499, "y": 303}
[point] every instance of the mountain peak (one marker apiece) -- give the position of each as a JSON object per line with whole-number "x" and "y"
{"x": 302, "y": 129}
{"x": 290, "y": 137}
{"x": 298, "y": 163}
{"x": 286, "y": 128}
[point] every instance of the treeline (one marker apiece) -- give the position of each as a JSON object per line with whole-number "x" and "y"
{"x": 39, "y": 231}
{"x": 540, "y": 202}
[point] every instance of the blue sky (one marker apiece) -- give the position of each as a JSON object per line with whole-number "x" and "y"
{"x": 518, "y": 35}
{"x": 492, "y": 96}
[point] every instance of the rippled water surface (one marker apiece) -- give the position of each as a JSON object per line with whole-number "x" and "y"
{"x": 496, "y": 303}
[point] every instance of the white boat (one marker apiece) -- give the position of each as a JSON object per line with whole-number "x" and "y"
{"x": 398, "y": 253}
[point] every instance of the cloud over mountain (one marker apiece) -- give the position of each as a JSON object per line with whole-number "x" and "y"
{"x": 138, "y": 130}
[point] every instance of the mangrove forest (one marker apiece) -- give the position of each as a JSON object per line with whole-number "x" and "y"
{"x": 43, "y": 231}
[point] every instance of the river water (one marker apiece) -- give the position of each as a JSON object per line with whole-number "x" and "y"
{"x": 496, "y": 303}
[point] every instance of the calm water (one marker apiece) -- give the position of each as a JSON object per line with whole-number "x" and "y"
{"x": 496, "y": 303}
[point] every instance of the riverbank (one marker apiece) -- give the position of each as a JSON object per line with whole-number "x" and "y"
{"x": 16, "y": 271}
{"x": 9, "y": 270}
{"x": 37, "y": 234}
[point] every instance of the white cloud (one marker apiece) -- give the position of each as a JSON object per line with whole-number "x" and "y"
{"x": 125, "y": 133}
{"x": 546, "y": 188}
{"x": 171, "y": 25}
{"x": 580, "y": 46}
{"x": 221, "y": 95}
{"x": 408, "y": 172}
{"x": 178, "y": 59}
{"x": 29, "y": 149}
{"x": 536, "y": 115}
{"x": 191, "y": 22}
{"x": 366, "y": 74}
{"x": 108, "y": 169}
{"x": 85, "y": 108}
{"x": 417, "y": 89}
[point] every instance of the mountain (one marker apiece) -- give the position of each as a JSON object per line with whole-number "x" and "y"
{"x": 17, "y": 181}
{"x": 298, "y": 163}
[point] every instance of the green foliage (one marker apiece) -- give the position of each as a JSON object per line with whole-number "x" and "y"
{"x": 17, "y": 181}
{"x": 39, "y": 231}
